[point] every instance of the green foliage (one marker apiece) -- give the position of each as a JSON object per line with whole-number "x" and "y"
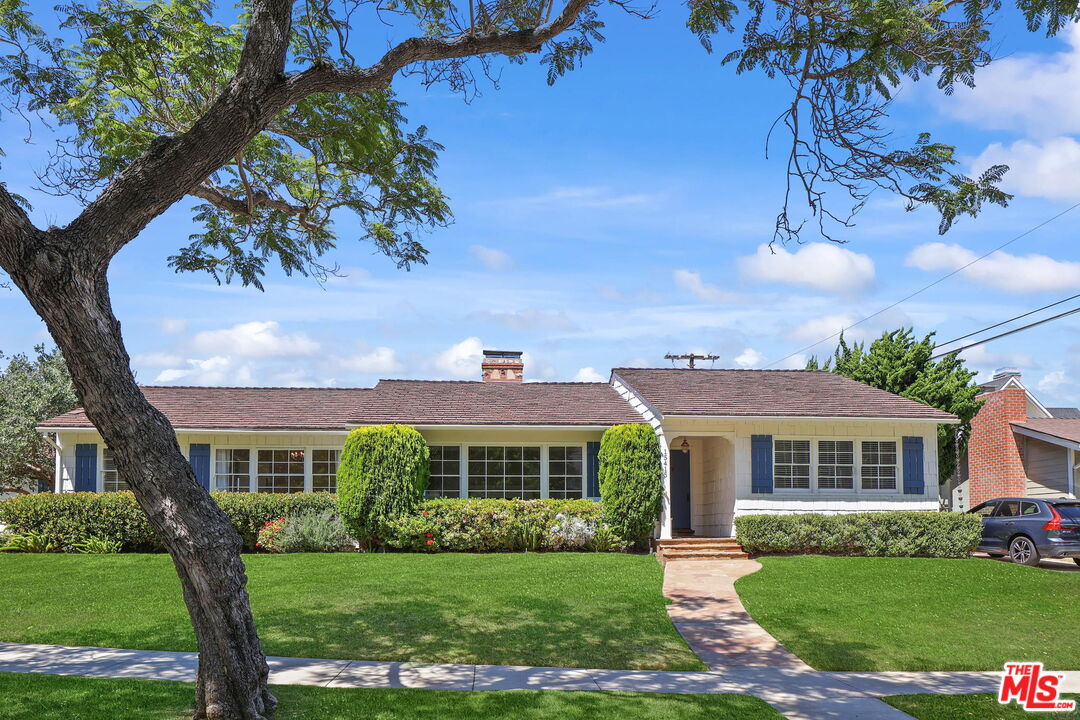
{"x": 99, "y": 546}
{"x": 311, "y": 532}
{"x": 31, "y": 390}
{"x": 493, "y": 525}
{"x": 382, "y": 475}
{"x": 71, "y": 519}
{"x": 884, "y": 534}
{"x": 248, "y": 512}
{"x": 631, "y": 480}
{"x": 899, "y": 363}
{"x": 30, "y": 543}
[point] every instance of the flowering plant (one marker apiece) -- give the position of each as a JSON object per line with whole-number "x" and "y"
{"x": 270, "y": 534}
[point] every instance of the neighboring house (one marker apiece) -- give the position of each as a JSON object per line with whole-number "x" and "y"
{"x": 736, "y": 441}
{"x": 1018, "y": 446}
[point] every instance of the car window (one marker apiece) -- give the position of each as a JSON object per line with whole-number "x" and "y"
{"x": 986, "y": 509}
{"x": 1030, "y": 508}
{"x": 1070, "y": 511}
{"x": 1008, "y": 508}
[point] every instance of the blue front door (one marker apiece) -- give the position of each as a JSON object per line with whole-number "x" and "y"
{"x": 680, "y": 490}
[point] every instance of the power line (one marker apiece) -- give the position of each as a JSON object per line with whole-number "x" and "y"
{"x": 923, "y": 289}
{"x": 1006, "y": 322}
{"x": 1005, "y": 334}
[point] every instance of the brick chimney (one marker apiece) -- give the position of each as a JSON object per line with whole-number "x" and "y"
{"x": 995, "y": 452}
{"x": 502, "y": 366}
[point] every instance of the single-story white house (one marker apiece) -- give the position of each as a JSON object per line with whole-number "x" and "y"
{"x": 735, "y": 441}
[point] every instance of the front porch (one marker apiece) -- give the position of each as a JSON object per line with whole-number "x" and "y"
{"x": 699, "y": 486}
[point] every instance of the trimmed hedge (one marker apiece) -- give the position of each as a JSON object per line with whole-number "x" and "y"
{"x": 631, "y": 480}
{"x": 381, "y": 477}
{"x": 73, "y": 518}
{"x": 491, "y": 525}
{"x": 880, "y": 534}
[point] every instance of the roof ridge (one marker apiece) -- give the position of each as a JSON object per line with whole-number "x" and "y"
{"x": 737, "y": 370}
{"x": 481, "y": 382}
{"x": 249, "y": 387}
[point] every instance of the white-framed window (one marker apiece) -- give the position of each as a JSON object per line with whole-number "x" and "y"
{"x": 110, "y": 477}
{"x": 232, "y": 469}
{"x": 791, "y": 464}
{"x": 836, "y": 464}
{"x": 280, "y": 471}
{"x": 324, "y": 467}
{"x": 566, "y": 471}
{"x": 445, "y": 480}
{"x": 878, "y": 466}
{"x": 504, "y": 471}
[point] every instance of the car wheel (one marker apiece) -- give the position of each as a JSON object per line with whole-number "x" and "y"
{"x": 1023, "y": 552}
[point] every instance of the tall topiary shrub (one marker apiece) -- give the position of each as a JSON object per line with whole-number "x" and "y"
{"x": 381, "y": 477}
{"x": 631, "y": 480}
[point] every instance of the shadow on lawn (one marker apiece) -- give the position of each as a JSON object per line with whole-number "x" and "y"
{"x": 553, "y": 632}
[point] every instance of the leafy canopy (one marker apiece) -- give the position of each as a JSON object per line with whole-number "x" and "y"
{"x": 121, "y": 75}
{"x": 31, "y": 390}
{"x": 899, "y": 363}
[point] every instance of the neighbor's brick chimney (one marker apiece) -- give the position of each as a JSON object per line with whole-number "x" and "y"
{"x": 503, "y": 366}
{"x": 995, "y": 455}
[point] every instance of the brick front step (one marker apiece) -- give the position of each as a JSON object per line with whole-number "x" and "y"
{"x": 699, "y": 549}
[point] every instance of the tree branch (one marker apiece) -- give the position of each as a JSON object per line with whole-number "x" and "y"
{"x": 427, "y": 49}
{"x": 17, "y": 232}
{"x": 255, "y": 198}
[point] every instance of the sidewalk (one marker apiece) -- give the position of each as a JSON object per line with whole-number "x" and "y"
{"x": 799, "y": 694}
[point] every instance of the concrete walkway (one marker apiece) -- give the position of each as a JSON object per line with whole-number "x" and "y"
{"x": 797, "y": 693}
{"x": 711, "y": 618}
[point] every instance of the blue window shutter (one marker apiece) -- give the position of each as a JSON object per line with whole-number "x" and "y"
{"x": 199, "y": 457}
{"x": 86, "y": 467}
{"x": 592, "y": 469}
{"x": 761, "y": 480}
{"x": 913, "y": 466}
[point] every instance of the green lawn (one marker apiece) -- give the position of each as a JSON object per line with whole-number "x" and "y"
{"x": 558, "y": 609}
{"x": 841, "y": 613}
{"x": 968, "y": 707}
{"x": 50, "y": 697}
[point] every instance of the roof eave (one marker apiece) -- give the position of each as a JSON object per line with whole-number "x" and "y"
{"x": 1045, "y": 436}
{"x": 937, "y": 421}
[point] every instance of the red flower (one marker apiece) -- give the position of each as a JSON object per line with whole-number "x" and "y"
{"x": 423, "y": 512}
{"x": 428, "y": 535}
{"x": 430, "y": 542}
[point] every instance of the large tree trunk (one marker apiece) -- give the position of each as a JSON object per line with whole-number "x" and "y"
{"x": 205, "y": 548}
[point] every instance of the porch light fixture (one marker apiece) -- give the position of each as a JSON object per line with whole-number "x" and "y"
{"x": 685, "y": 447}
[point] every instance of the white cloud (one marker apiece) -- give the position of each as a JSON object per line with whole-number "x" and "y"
{"x": 822, "y": 327}
{"x": 173, "y": 326}
{"x": 1053, "y": 382}
{"x": 587, "y": 197}
{"x": 1014, "y": 273}
{"x": 980, "y": 357}
{"x": 254, "y": 339}
{"x": 588, "y": 374}
{"x": 492, "y": 259}
{"x": 377, "y": 360}
{"x": 1037, "y": 93}
{"x": 1050, "y": 169}
{"x": 749, "y": 358}
{"x": 217, "y": 370}
{"x": 705, "y": 292}
{"x": 156, "y": 359}
{"x": 822, "y": 266}
{"x": 528, "y": 319}
{"x": 461, "y": 360}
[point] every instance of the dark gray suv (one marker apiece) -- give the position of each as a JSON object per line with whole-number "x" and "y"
{"x": 1029, "y": 529}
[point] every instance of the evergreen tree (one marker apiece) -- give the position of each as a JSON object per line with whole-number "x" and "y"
{"x": 31, "y": 390}
{"x": 899, "y": 363}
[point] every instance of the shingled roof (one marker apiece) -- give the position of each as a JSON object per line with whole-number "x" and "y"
{"x": 1062, "y": 428}
{"x": 769, "y": 393}
{"x": 414, "y": 402}
{"x": 243, "y": 408}
{"x": 426, "y": 402}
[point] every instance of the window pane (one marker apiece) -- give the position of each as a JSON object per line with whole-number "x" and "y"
{"x": 280, "y": 471}
{"x": 445, "y": 479}
{"x": 879, "y": 465}
{"x": 231, "y": 470}
{"x": 791, "y": 464}
{"x": 494, "y": 471}
{"x": 110, "y": 477}
{"x": 324, "y": 466}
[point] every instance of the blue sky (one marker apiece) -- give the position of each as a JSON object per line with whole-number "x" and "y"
{"x": 620, "y": 215}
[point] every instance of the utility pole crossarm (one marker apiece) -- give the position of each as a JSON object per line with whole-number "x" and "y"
{"x": 691, "y": 358}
